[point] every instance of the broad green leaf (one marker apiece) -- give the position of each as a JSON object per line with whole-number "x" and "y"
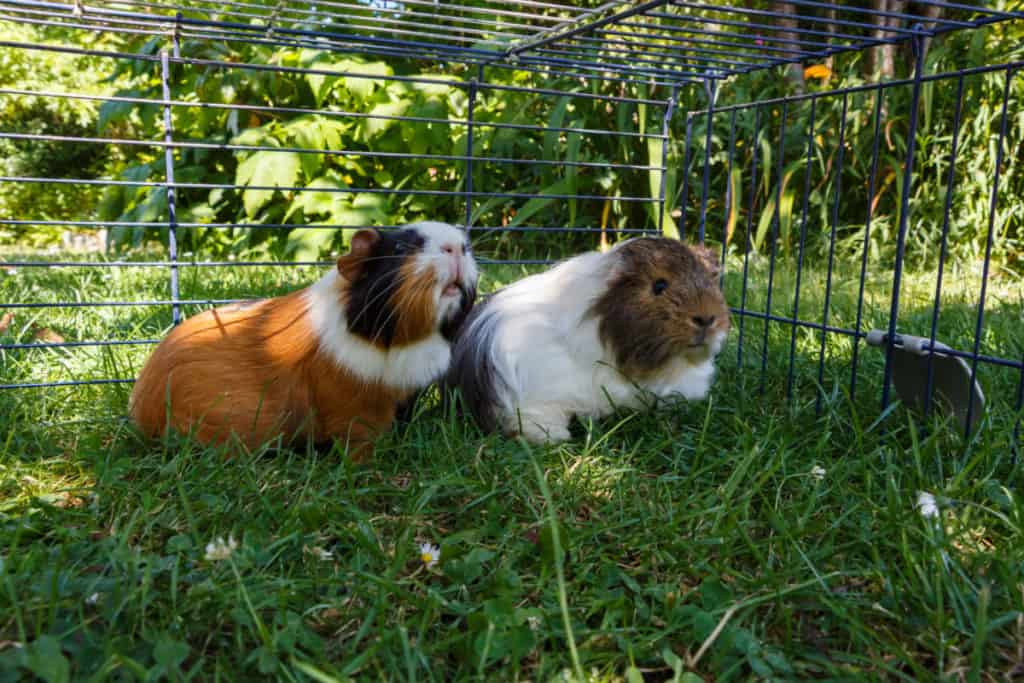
{"x": 266, "y": 169}
{"x": 364, "y": 87}
{"x": 332, "y": 130}
{"x": 306, "y": 244}
{"x": 546, "y": 540}
{"x": 44, "y": 658}
{"x": 317, "y": 198}
{"x": 654, "y": 156}
{"x": 365, "y": 209}
{"x": 734, "y": 203}
{"x": 259, "y": 136}
{"x": 538, "y": 203}
{"x": 375, "y": 127}
{"x": 307, "y": 134}
{"x": 170, "y": 653}
{"x": 572, "y": 154}
{"x": 112, "y": 112}
{"x": 556, "y": 120}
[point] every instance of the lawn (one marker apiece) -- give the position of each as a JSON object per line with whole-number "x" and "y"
{"x": 744, "y": 536}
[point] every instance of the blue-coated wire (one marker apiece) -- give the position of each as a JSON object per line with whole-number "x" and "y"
{"x": 746, "y": 239}
{"x": 728, "y": 196}
{"x": 832, "y": 250}
{"x": 872, "y": 183}
{"x": 943, "y": 245}
{"x": 993, "y": 201}
{"x": 901, "y": 236}
{"x": 800, "y": 249}
{"x": 774, "y": 237}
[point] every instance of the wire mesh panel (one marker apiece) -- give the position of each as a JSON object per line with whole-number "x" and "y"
{"x": 782, "y": 188}
{"x": 284, "y": 127}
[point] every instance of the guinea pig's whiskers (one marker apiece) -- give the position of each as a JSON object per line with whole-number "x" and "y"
{"x": 396, "y": 312}
{"x": 376, "y": 297}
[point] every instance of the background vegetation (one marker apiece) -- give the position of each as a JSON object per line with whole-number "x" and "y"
{"x": 435, "y": 143}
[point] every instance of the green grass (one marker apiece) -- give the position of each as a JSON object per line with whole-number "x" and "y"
{"x": 697, "y": 539}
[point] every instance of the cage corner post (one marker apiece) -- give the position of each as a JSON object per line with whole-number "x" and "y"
{"x": 169, "y": 184}
{"x": 901, "y": 233}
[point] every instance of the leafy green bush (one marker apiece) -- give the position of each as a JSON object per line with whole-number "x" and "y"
{"x": 359, "y": 175}
{"x": 46, "y": 71}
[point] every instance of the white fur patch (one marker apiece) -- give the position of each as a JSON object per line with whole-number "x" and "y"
{"x": 436, "y": 237}
{"x": 403, "y": 367}
{"x": 549, "y": 356}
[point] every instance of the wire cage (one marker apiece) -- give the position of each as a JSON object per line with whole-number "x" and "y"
{"x": 686, "y": 146}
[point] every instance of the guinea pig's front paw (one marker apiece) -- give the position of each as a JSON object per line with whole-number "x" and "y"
{"x": 539, "y": 431}
{"x": 695, "y": 384}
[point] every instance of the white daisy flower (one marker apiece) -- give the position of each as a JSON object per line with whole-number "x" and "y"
{"x": 926, "y": 504}
{"x": 219, "y": 549}
{"x": 818, "y": 473}
{"x": 430, "y": 554}
{"x": 320, "y": 553}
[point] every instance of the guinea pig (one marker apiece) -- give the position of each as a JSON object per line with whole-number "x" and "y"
{"x": 595, "y": 333}
{"x": 331, "y": 361}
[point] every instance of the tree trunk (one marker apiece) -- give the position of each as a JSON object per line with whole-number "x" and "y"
{"x": 928, "y": 17}
{"x": 794, "y": 72}
{"x": 881, "y": 56}
{"x": 830, "y": 14}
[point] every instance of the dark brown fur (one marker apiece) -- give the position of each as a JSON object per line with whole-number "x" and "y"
{"x": 646, "y": 330}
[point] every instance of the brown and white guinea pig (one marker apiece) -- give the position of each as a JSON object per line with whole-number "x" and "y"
{"x": 594, "y": 333}
{"x": 330, "y": 361}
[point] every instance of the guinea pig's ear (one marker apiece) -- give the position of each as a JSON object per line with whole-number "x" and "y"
{"x": 708, "y": 257}
{"x": 350, "y": 265}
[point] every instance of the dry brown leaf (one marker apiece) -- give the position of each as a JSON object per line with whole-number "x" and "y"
{"x": 69, "y": 502}
{"x": 45, "y": 334}
{"x": 5, "y": 321}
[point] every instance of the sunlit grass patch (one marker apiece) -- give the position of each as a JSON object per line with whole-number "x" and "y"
{"x": 797, "y": 531}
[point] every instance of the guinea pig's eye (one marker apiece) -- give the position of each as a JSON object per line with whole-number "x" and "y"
{"x": 659, "y": 286}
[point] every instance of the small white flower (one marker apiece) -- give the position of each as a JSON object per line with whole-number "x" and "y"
{"x": 320, "y": 553}
{"x": 92, "y": 599}
{"x": 533, "y": 622}
{"x": 926, "y": 504}
{"x": 219, "y": 549}
{"x": 429, "y": 554}
{"x": 818, "y": 473}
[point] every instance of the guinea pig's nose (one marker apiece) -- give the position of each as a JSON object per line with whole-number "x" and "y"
{"x": 704, "y": 321}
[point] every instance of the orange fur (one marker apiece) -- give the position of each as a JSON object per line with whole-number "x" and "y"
{"x": 415, "y": 297}
{"x": 255, "y": 371}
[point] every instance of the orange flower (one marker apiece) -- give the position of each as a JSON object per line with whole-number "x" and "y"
{"x": 819, "y": 71}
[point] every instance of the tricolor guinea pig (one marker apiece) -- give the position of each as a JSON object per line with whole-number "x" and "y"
{"x": 331, "y": 361}
{"x": 594, "y": 333}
